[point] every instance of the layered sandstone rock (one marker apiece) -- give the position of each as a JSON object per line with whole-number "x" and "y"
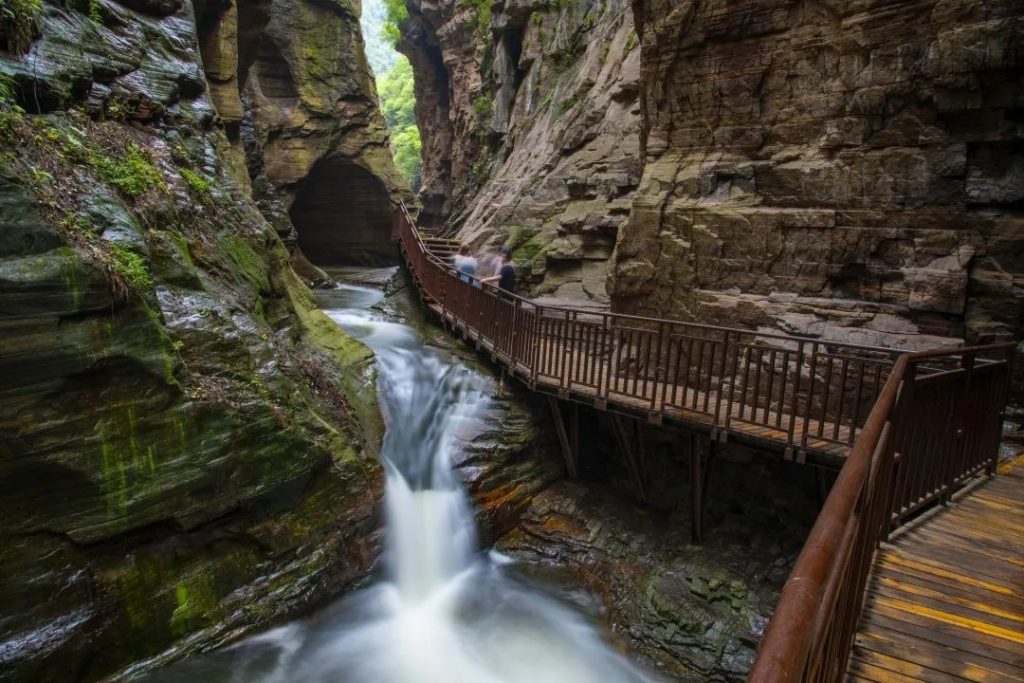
{"x": 187, "y": 444}
{"x": 530, "y": 124}
{"x": 848, "y": 170}
{"x": 290, "y": 80}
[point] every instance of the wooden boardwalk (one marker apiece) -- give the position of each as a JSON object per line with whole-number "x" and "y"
{"x": 755, "y": 424}
{"x": 945, "y": 599}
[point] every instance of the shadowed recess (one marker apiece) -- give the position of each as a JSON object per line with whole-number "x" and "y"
{"x": 342, "y": 214}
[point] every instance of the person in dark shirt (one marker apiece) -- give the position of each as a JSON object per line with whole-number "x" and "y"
{"x": 506, "y": 277}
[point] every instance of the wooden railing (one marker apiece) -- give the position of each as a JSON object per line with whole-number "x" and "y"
{"x": 802, "y": 390}
{"x": 920, "y": 425}
{"x": 936, "y": 424}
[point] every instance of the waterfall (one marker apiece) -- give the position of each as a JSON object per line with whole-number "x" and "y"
{"x": 445, "y": 613}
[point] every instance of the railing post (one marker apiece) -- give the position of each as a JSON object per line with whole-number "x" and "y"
{"x": 810, "y": 393}
{"x": 796, "y": 392}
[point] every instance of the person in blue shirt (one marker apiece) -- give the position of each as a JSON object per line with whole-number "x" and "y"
{"x": 466, "y": 264}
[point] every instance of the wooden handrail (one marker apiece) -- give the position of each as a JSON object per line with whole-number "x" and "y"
{"x": 928, "y": 429}
{"x": 811, "y": 633}
{"x": 804, "y": 392}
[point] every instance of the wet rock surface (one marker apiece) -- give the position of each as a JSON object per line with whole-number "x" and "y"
{"x": 691, "y": 612}
{"x": 187, "y": 444}
{"x": 508, "y": 453}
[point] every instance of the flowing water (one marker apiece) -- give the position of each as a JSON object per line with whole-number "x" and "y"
{"x": 445, "y": 612}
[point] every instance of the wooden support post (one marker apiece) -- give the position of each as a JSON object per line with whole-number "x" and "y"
{"x": 641, "y": 450}
{"x": 574, "y": 434}
{"x": 696, "y": 491}
{"x": 563, "y": 438}
{"x": 629, "y": 455}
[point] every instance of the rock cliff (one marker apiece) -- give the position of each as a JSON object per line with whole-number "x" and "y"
{"x": 838, "y": 170}
{"x": 530, "y": 121}
{"x": 290, "y": 80}
{"x": 849, "y": 170}
{"x": 187, "y": 444}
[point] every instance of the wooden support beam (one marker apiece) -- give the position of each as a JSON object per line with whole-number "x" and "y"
{"x": 696, "y": 490}
{"x": 629, "y": 454}
{"x": 571, "y": 463}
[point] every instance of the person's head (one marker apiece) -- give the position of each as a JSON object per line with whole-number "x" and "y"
{"x": 464, "y": 250}
{"x": 504, "y": 254}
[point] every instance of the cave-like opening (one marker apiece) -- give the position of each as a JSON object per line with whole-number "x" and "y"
{"x": 343, "y": 216}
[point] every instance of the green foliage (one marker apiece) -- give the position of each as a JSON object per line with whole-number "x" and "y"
{"x": 632, "y": 41}
{"x": 10, "y": 112}
{"x": 129, "y": 268}
{"x": 396, "y": 13}
{"x": 132, "y": 175}
{"x": 482, "y": 11}
{"x": 398, "y": 104}
{"x": 197, "y": 184}
{"x": 407, "y": 149}
{"x": 18, "y": 24}
{"x": 95, "y": 12}
{"x": 569, "y": 103}
{"x": 483, "y": 106}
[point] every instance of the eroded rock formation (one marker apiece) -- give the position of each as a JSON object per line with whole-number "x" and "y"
{"x": 187, "y": 444}
{"x": 530, "y": 124}
{"x": 849, "y": 170}
{"x": 290, "y": 80}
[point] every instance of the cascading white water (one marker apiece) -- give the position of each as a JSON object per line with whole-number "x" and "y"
{"x": 446, "y": 613}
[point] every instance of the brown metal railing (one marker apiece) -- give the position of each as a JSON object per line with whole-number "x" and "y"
{"x": 800, "y": 392}
{"x": 936, "y": 424}
{"x": 920, "y": 425}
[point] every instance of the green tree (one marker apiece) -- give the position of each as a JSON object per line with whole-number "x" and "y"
{"x": 398, "y": 104}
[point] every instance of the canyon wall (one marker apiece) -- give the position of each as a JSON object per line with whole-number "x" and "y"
{"x": 290, "y": 81}
{"x": 845, "y": 170}
{"x": 187, "y": 444}
{"x": 529, "y": 115}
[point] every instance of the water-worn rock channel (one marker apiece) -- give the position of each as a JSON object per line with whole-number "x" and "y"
{"x": 444, "y": 610}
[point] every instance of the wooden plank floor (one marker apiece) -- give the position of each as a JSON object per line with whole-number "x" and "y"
{"x": 945, "y": 601}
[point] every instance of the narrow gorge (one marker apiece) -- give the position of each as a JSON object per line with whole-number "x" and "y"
{"x": 243, "y": 439}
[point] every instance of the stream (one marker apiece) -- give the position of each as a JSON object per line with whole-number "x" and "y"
{"x": 445, "y": 610}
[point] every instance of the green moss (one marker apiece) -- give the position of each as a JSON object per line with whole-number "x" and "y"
{"x": 247, "y": 266}
{"x": 632, "y": 41}
{"x": 132, "y": 175}
{"x": 130, "y": 268}
{"x": 529, "y": 252}
{"x": 10, "y": 112}
{"x": 197, "y": 184}
{"x": 483, "y": 106}
{"x": 18, "y": 20}
{"x": 196, "y": 599}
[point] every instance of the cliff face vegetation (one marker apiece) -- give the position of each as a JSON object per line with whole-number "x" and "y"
{"x": 187, "y": 444}
{"x": 530, "y": 125}
{"x": 846, "y": 170}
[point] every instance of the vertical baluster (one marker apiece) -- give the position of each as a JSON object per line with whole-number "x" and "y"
{"x": 810, "y": 393}
{"x": 842, "y": 400}
{"x": 757, "y": 386}
{"x": 698, "y": 370}
{"x": 827, "y": 395}
{"x": 771, "y": 386}
{"x": 732, "y": 380}
{"x": 855, "y": 423}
